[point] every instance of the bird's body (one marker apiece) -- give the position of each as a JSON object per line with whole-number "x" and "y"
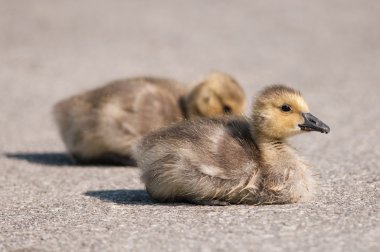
{"x": 102, "y": 125}
{"x": 223, "y": 161}
{"x": 220, "y": 161}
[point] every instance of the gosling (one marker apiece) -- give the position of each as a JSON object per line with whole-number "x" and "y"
{"x": 101, "y": 126}
{"x": 233, "y": 160}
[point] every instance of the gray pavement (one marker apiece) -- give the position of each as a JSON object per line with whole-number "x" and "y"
{"x": 330, "y": 50}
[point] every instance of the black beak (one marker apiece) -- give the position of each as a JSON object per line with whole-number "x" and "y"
{"x": 313, "y": 124}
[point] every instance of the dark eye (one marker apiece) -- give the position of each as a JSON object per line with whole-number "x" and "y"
{"x": 286, "y": 108}
{"x": 227, "y": 109}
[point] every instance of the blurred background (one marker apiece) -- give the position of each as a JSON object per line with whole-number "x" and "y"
{"x": 52, "y": 49}
{"x": 329, "y": 49}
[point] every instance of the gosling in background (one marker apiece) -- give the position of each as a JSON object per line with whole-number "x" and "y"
{"x": 233, "y": 160}
{"x": 101, "y": 126}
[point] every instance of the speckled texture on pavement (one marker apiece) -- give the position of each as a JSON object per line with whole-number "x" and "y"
{"x": 330, "y": 50}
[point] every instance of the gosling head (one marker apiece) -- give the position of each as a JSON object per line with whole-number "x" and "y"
{"x": 217, "y": 94}
{"x": 280, "y": 112}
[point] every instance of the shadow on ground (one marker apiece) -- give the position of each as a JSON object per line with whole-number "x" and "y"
{"x": 132, "y": 197}
{"x": 126, "y": 196}
{"x": 62, "y": 159}
{"x": 44, "y": 158}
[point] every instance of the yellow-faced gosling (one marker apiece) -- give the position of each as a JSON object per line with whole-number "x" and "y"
{"x": 233, "y": 160}
{"x": 102, "y": 125}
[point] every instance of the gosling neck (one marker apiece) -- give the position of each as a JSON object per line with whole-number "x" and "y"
{"x": 271, "y": 150}
{"x": 264, "y": 139}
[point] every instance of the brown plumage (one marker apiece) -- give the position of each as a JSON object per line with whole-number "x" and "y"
{"x": 232, "y": 160}
{"x": 102, "y": 125}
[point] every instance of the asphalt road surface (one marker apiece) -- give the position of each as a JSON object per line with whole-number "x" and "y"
{"x": 330, "y": 50}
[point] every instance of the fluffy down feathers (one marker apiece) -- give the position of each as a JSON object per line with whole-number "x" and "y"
{"x": 230, "y": 160}
{"x": 102, "y": 125}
